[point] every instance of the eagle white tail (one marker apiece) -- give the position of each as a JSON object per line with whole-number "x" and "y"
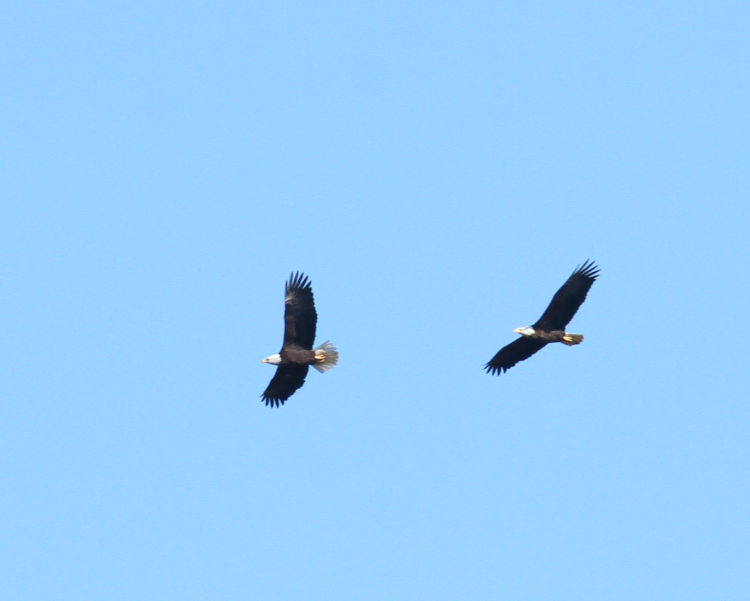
{"x": 326, "y": 356}
{"x": 571, "y": 339}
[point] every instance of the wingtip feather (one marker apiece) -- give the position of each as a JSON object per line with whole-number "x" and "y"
{"x": 495, "y": 370}
{"x": 589, "y": 269}
{"x": 272, "y": 401}
{"x": 297, "y": 281}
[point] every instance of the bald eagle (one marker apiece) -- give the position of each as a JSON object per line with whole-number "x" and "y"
{"x": 297, "y": 353}
{"x": 550, "y": 327}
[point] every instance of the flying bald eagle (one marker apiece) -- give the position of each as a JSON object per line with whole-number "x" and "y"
{"x": 550, "y": 327}
{"x": 297, "y": 353}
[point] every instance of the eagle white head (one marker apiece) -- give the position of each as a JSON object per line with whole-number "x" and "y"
{"x": 525, "y": 331}
{"x": 273, "y": 359}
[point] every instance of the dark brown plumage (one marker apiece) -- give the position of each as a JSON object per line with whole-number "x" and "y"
{"x": 297, "y": 353}
{"x": 550, "y": 327}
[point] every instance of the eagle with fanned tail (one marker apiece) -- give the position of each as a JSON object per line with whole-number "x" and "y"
{"x": 550, "y": 327}
{"x": 297, "y": 353}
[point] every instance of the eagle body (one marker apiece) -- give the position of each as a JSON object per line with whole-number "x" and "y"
{"x": 551, "y": 336}
{"x": 550, "y": 327}
{"x": 297, "y": 353}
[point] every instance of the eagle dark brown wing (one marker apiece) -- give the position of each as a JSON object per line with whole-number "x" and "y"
{"x": 568, "y": 298}
{"x": 512, "y": 353}
{"x": 300, "y": 317}
{"x": 285, "y": 382}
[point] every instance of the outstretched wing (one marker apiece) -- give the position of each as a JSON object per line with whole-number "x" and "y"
{"x": 568, "y": 298}
{"x": 512, "y": 353}
{"x": 285, "y": 382}
{"x": 299, "y": 312}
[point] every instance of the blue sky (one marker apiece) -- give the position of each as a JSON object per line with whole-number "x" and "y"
{"x": 438, "y": 170}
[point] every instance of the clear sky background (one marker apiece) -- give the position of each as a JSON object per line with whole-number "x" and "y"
{"x": 438, "y": 169}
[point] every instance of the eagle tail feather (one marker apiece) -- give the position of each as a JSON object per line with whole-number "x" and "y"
{"x": 326, "y": 356}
